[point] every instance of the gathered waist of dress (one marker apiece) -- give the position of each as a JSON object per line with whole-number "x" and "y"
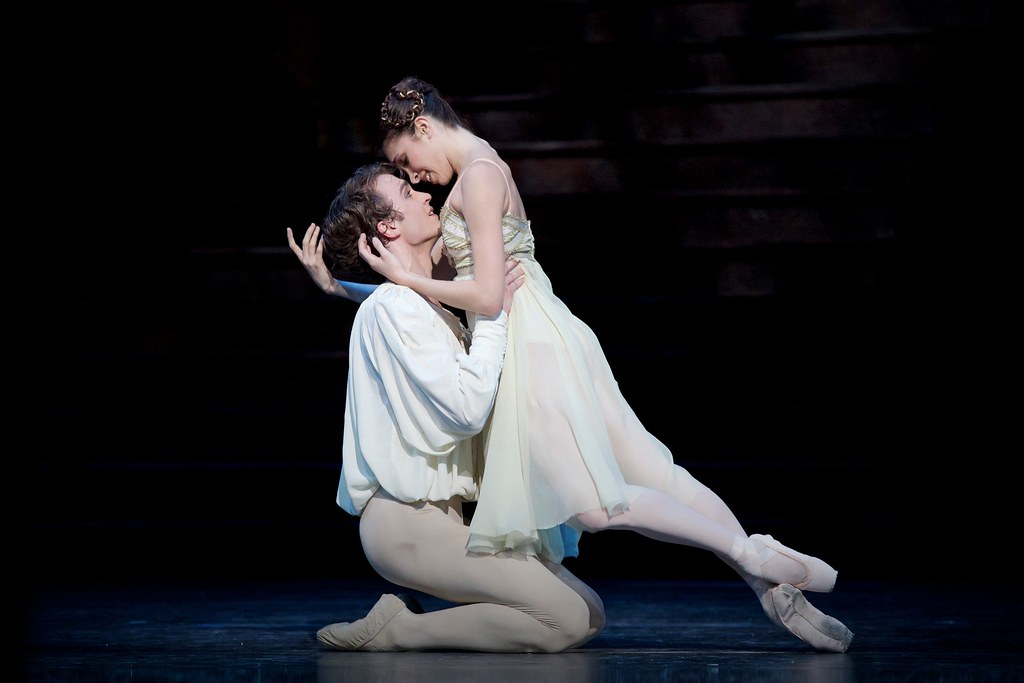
{"x": 467, "y": 272}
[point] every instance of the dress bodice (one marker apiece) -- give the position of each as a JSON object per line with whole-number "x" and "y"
{"x": 515, "y": 235}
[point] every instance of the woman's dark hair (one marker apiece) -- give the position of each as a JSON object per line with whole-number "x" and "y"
{"x": 356, "y": 210}
{"x": 412, "y": 97}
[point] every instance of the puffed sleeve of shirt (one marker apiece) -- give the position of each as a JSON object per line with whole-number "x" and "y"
{"x": 436, "y": 389}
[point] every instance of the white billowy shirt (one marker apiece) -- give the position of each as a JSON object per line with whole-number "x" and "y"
{"x": 415, "y": 398}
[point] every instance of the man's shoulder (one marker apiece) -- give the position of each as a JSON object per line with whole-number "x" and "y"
{"x": 391, "y": 297}
{"x": 389, "y": 292}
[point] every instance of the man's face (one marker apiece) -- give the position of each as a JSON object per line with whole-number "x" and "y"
{"x": 418, "y": 223}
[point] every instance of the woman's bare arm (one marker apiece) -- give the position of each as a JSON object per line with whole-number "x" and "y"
{"x": 483, "y": 200}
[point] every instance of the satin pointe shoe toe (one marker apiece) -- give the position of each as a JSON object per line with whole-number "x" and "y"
{"x": 364, "y": 633}
{"x": 819, "y": 576}
{"x": 808, "y": 623}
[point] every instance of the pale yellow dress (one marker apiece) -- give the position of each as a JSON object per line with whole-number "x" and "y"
{"x": 561, "y": 439}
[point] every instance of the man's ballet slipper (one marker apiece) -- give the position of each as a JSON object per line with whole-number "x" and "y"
{"x": 808, "y": 623}
{"x": 362, "y": 634}
{"x": 819, "y": 577}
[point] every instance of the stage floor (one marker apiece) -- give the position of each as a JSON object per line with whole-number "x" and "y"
{"x": 657, "y": 630}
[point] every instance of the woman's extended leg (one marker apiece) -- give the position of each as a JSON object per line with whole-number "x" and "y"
{"x": 659, "y": 516}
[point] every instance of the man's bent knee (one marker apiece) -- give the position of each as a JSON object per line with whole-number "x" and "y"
{"x": 573, "y": 625}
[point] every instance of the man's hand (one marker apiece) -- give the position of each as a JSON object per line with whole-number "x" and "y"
{"x": 514, "y": 278}
{"x": 311, "y": 254}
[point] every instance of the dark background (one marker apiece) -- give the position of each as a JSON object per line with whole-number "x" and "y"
{"x": 785, "y": 221}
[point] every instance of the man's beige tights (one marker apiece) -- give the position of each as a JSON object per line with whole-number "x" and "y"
{"x": 508, "y": 602}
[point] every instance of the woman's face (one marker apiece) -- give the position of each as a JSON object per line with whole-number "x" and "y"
{"x": 420, "y": 157}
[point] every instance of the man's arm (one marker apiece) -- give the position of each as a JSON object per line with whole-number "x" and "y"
{"x": 440, "y": 389}
{"x": 311, "y": 255}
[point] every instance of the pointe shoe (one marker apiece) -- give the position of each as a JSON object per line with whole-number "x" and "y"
{"x": 363, "y": 633}
{"x": 819, "y": 577}
{"x": 795, "y": 614}
{"x": 765, "y": 594}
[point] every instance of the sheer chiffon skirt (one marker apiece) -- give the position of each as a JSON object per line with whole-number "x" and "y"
{"x": 562, "y": 439}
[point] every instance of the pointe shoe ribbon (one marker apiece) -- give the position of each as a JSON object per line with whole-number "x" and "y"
{"x": 362, "y": 634}
{"x": 819, "y": 577}
{"x": 806, "y": 622}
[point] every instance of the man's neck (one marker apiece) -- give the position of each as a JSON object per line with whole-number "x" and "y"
{"x": 416, "y": 260}
{"x": 421, "y": 263}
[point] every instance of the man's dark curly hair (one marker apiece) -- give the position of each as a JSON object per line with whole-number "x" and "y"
{"x": 356, "y": 210}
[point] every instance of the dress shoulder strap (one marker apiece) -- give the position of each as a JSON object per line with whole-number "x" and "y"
{"x": 496, "y": 164}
